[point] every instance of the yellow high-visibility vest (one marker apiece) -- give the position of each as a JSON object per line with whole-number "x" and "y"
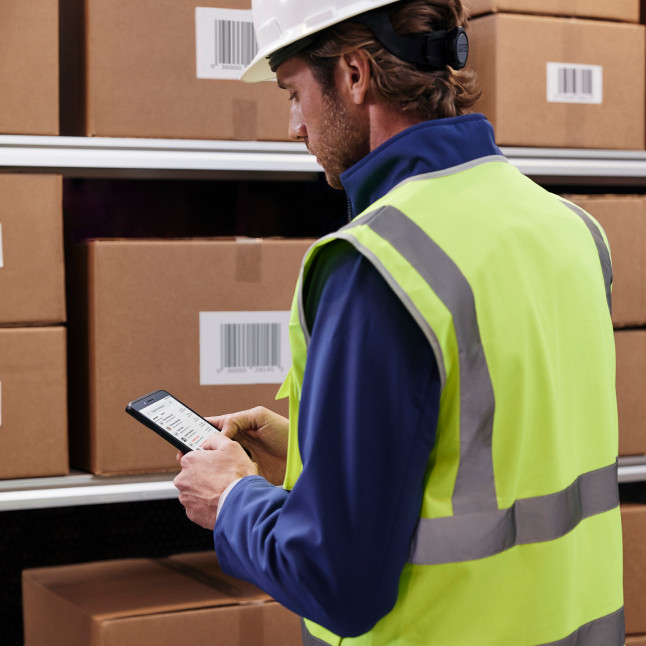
{"x": 519, "y": 536}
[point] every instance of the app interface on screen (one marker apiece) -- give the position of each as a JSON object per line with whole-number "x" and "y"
{"x": 179, "y": 421}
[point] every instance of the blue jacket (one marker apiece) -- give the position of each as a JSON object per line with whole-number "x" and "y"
{"x": 333, "y": 548}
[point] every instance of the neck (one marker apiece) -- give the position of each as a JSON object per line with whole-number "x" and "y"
{"x": 386, "y": 122}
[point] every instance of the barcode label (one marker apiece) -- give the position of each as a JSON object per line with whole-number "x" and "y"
{"x": 572, "y": 83}
{"x": 244, "y": 347}
{"x": 250, "y": 345}
{"x": 225, "y": 42}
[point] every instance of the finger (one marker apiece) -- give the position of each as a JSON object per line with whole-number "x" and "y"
{"x": 216, "y": 420}
{"x": 179, "y": 457}
{"x": 226, "y": 424}
{"x": 234, "y": 424}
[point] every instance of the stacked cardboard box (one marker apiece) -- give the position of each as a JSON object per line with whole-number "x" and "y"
{"x": 33, "y": 375}
{"x": 29, "y": 67}
{"x": 623, "y": 218}
{"x": 164, "y": 68}
{"x": 633, "y": 520}
{"x": 573, "y": 78}
{"x": 183, "y": 599}
{"x": 150, "y": 314}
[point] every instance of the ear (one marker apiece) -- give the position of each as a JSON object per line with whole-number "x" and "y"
{"x": 355, "y": 75}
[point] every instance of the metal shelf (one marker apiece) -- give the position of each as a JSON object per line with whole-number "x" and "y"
{"x": 632, "y": 469}
{"x": 84, "y": 489}
{"x": 152, "y": 158}
{"x": 580, "y": 166}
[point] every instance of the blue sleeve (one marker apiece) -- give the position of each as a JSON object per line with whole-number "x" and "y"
{"x": 332, "y": 549}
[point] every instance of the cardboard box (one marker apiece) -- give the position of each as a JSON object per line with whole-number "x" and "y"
{"x": 156, "y": 314}
{"x": 132, "y": 71}
{"x": 631, "y": 390}
{"x": 32, "y": 274}
{"x": 29, "y": 67}
{"x": 33, "y": 402}
{"x": 623, "y": 218}
{"x": 633, "y": 520}
{"x": 151, "y": 602}
{"x": 580, "y": 84}
{"x": 636, "y": 640}
{"x": 622, "y": 10}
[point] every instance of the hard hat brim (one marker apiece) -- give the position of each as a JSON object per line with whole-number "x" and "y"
{"x": 259, "y": 70}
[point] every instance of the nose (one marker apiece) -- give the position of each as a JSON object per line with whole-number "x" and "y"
{"x": 297, "y": 130}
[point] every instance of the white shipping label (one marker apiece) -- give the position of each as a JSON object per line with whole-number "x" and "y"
{"x": 225, "y": 42}
{"x": 244, "y": 348}
{"x": 572, "y": 83}
{"x": 1, "y": 255}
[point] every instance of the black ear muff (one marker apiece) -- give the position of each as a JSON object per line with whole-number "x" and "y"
{"x": 434, "y": 50}
{"x": 457, "y": 48}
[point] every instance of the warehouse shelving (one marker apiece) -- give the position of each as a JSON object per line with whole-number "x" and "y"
{"x": 85, "y": 489}
{"x": 80, "y": 488}
{"x": 103, "y": 157}
{"x": 129, "y": 157}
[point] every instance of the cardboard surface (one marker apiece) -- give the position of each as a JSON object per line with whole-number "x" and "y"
{"x": 633, "y": 520}
{"x": 515, "y": 80}
{"x": 140, "y": 315}
{"x": 131, "y": 71}
{"x": 33, "y": 402}
{"x": 623, "y": 218}
{"x": 636, "y": 640}
{"x": 623, "y": 10}
{"x": 630, "y": 348}
{"x": 32, "y": 274}
{"x": 29, "y": 67}
{"x": 151, "y": 602}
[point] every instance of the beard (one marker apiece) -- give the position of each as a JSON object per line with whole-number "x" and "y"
{"x": 344, "y": 140}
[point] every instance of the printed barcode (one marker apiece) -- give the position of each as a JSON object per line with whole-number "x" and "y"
{"x": 250, "y": 345}
{"x": 235, "y": 43}
{"x": 225, "y": 42}
{"x": 244, "y": 347}
{"x": 574, "y": 83}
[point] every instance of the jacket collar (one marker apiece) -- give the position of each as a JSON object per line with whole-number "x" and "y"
{"x": 423, "y": 148}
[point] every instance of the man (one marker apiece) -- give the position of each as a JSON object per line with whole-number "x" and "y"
{"x": 449, "y": 463}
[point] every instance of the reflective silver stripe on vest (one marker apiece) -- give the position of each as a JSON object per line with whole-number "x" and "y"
{"x": 310, "y": 640}
{"x": 605, "y": 631}
{"x": 467, "y": 537}
{"x": 474, "y": 486}
{"x": 602, "y": 250}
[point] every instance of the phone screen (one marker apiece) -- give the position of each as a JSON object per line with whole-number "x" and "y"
{"x": 179, "y": 421}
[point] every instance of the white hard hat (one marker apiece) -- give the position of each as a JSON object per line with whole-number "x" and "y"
{"x": 279, "y": 23}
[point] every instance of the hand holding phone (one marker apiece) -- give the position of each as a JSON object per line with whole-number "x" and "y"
{"x": 172, "y": 420}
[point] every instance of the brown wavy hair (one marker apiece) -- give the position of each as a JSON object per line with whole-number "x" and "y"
{"x": 423, "y": 93}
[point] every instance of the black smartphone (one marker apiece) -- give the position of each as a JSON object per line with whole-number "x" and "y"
{"x": 171, "y": 419}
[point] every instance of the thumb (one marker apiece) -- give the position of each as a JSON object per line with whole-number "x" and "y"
{"x": 216, "y": 441}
